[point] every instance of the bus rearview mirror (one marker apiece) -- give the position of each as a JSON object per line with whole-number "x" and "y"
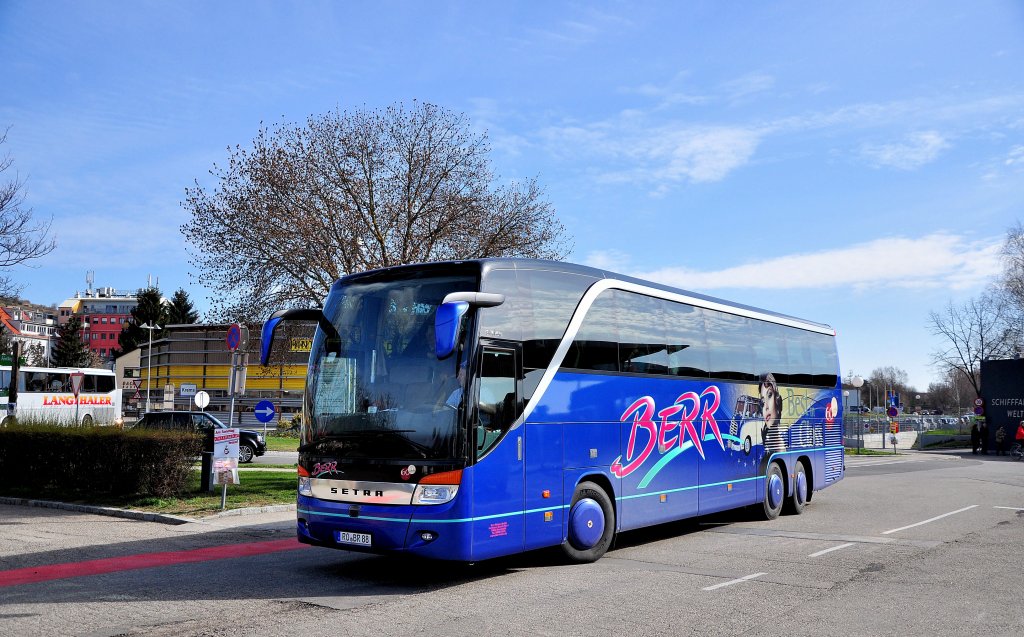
{"x": 446, "y": 327}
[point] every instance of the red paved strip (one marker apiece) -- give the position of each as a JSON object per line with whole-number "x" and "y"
{"x": 34, "y": 574}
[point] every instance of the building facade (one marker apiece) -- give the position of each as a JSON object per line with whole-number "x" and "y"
{"x": 32, "y": 326}
{"x": 103, "y": 312}
{"x": 197, "y": 355}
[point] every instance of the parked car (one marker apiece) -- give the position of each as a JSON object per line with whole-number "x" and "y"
{"x": 250, "y": 443}
{"x": 861, "y": 409}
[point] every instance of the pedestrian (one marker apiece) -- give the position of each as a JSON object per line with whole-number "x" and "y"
{"x": 984, "y": 438}
{"x": 1001, "y": 441}
{"x": 1020, "y": 434}
{"x": 975, "y": 438}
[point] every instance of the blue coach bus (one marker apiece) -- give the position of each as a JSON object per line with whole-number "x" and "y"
{"x": 467, "y": 410}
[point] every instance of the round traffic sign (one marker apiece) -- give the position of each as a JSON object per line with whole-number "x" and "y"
{"x": 202, "y": 399}
{"x": 978, "y": 402}
{"x": 264, "y": 411}
{"x": 979, "y": 410}
{"x": 234, "y": 337}
{"x": 892, "y": 412}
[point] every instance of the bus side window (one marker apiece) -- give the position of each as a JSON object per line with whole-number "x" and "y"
{"x": 497, "y": 405}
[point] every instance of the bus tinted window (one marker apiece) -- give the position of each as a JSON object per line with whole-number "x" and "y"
{"x": 103, "y": 384}
{"x": 548, "y": 302}
{"x": 798, "y": 353}
{"x": 643, "y": 348}
{"x": 768, "y": 341}
{"x": 730, "y": 346}
{"x": 824, "y": 360}
{"x": 503, "y": 321}
{"x": 596, "y": 346}
{"x": 686, "y": 340}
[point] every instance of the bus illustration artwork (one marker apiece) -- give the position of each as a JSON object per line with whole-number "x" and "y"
{"x": 468, "y": 410}
{"x": 746, "y": 423}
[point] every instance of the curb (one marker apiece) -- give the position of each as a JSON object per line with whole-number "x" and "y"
{"x": 143, "y": 516}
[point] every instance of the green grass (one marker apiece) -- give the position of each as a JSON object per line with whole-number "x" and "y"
{"x": 257, "y": 488}
{"x": 867, "y": 452}
{"x": 282, "y": 443}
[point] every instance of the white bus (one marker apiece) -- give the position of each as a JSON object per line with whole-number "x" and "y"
{"x": 45, "y": 396}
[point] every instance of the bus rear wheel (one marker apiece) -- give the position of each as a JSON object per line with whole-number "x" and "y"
{"x": 87, "y": 420}
{"x": 591, "y": 524}
{"x": 797, "y": 500}
{"x": 774, "y": 491}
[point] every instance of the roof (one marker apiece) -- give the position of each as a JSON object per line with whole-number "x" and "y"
{"x": 505, "y": 263}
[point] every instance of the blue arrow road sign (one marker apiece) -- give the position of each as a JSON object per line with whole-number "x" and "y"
{"x": 265, "y": 411}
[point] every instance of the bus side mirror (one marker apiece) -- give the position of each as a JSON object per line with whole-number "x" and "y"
{"x": 446, "y": 327}
{"x": 267, "y": 337}
{"x": 299, "y": 314}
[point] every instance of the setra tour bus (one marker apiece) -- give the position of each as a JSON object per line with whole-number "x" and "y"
{"x": 45, "y": 395}
{"x": 467, "y": 410}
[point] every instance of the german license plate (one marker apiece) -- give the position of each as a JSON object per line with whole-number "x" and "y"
{"x": 346, "y": 537}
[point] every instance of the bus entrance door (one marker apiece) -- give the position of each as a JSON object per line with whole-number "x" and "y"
{"x": 498, "y": 505}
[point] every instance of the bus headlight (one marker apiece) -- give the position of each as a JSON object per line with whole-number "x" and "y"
{"x": 437, "y": 488}
{"x": 434, "y": 493}
{"x": 305, "y": 487}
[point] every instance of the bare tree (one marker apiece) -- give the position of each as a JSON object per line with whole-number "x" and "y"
{"x": 973, "y": 331}
{"x": 1011, "y": 283}
{"x": 22, "y": 238}
{"x": 891, "y": 378}
{"x": 352, "y": 191}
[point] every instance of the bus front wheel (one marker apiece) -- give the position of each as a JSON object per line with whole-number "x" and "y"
{"x": 774, "y": 491}
{"x": 591, "y": 524}
{"x": 87, "y": 420}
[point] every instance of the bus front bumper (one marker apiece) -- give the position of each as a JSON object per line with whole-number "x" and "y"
{"x": 427, "y": 531}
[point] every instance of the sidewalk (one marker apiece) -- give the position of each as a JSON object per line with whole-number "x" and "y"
{"x": 231, "y": 517}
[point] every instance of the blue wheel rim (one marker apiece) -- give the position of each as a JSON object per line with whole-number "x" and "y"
{"x": 586, "y": 524}
{"x": 801, "y": 487}
{"x": 775, "y": 491}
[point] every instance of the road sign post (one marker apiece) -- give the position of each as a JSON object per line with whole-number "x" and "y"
{"x": 76, "y": 387}
{"x": 265, "y": 412}
{"x": 225, "y": 460}
{"x": 202, "y": 399}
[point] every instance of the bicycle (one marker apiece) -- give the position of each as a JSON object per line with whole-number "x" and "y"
{"x": 1017, "y": 451}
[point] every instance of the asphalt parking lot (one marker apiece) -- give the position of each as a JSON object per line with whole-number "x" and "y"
{"x": 916, "y": 544}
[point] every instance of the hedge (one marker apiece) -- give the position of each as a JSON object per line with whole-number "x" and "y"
{"x": 96, "y": 460}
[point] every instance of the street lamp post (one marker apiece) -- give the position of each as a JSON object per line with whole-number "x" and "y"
{"x": 149, "y": 326}
{"x": 858, "y": 382}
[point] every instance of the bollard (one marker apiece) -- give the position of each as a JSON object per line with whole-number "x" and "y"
{"x": 206, "y": 475}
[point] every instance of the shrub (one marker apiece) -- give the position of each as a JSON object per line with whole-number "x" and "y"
{"x": 41, "y": 458}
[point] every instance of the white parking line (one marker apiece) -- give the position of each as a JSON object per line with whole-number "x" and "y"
{"x": 1010, "y": 508}
{"x": 937, "y": 517}
{"x": 735, "y": 581}
{"x": 834, "y": 548}
{"x": 855, "y": 465}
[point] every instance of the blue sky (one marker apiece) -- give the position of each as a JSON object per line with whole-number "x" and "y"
{"x": 856, "y": 164}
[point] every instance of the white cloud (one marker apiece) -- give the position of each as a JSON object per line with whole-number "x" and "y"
{"x": 915, "y": 151}
{"x": 935, "y": 260}
{"x": 663, "y": 156}
{"x": 1015, "y": 157}
{"x": 748, "y": 85}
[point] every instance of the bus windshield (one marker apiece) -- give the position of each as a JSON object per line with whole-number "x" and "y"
{"x": 386, "y": 395}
